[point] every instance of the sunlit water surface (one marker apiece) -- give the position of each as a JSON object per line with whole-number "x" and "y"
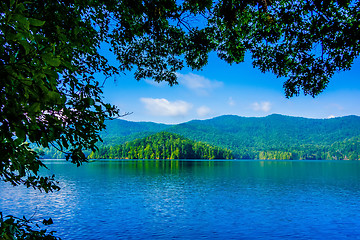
{"x": 197, "y": 200}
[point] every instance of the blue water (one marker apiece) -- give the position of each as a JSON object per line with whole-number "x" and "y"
{"x": 197, "y": 200}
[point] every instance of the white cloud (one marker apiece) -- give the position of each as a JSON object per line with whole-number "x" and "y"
{"x": 331, "y": 116}
{"x": 203, "y": 111}
{"x": 163, "y": 107}
{"x": 156, "y": 84}
{"x": 198, "y": 83}
{"x": 231, "y": 101}
{"x": 263, "y": 106}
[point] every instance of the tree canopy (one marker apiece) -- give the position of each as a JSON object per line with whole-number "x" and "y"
{"x": 162, "y": 145}
{"x": 50, "y": 51}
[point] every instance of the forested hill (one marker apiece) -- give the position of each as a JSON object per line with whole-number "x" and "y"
{"x": 162, "y": 145}
{"x": 304, "y": 138}
{"x": 271, "y": 137}
{"x": 274, "y": 136}
{"x": 119, "y": 131}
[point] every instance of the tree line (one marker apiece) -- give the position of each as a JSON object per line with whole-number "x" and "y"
{"x": 177, "y": 147}
{"x": 348, "y": 149}
{"x": 162, "y": 145}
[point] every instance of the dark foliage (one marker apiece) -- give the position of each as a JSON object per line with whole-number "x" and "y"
{"x": 21, "y": 228}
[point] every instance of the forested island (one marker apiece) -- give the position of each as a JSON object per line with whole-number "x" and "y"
{"x": 162, "y": 145}
{"x": 271, "y": 137}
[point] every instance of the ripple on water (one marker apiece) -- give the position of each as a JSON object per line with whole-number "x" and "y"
{"x": 197, "y": 200}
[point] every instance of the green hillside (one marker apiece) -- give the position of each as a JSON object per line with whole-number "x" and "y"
{"x": 162, "y": 145}
{"x": 119, "y": 131}
{"x": 272, "y": 137}
{"x": 277, "y": 136}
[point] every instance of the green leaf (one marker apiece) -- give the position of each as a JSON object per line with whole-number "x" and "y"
{"x": 35, "y": 108}
{"x": 90, "y": 101}
{"x": 21, "y": 19}
{"x": 55, "y": 97}
{"x": 51, "y": 73}
{"x": 13, "y": 37}
{"x": 48, "y": 58}
{"x": 36, "y": 22}
{"x": 20, "y": 133}
{"x": 25, "y": 45}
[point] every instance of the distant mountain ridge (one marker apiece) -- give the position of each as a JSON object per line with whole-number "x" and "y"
{"x": 119, "y": 131}
{"x": 274, "y": 136}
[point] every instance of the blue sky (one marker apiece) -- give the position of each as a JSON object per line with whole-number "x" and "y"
{"x": 221, "y": 89}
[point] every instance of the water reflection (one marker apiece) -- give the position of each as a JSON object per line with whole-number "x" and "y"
{"x": 154, "y": 167}
{"x": 165, "y": 199}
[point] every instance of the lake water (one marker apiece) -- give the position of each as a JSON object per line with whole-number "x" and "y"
{"x": 197, "y": 200}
